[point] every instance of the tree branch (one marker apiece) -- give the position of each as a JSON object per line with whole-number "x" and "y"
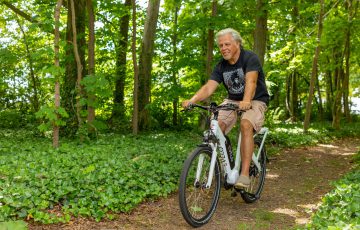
{"x": 19, "y": 12}
{"x": 26, "y": 16}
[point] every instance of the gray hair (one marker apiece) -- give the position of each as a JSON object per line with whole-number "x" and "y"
{"x": 234, "y": 34}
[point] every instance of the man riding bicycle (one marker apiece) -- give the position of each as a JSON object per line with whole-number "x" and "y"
{"x": 242, "y": 75}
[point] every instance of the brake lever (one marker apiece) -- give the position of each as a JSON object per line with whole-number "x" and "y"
{"x": 188, "y": 108}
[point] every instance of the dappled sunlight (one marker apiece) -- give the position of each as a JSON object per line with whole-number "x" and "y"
{"x": 302, "y": 220}
{"x": 348, "y": 153}
{"x": 335, "y": 150}
{"x": 286, "y": 211}
{"x": 328, "y": 146}
{"x": 309, "y": 208}
{"x": 299, "y": 219}
{"x": 295, "y": 130}
{"x": 272, "y": 176}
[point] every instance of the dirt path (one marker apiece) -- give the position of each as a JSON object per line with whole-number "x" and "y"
{"x": 296, "y": 181}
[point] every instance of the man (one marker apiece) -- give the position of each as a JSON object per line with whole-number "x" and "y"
{"x": 241, "y": 73}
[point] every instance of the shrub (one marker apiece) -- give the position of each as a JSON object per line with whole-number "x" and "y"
{"x": 340, "y": 209}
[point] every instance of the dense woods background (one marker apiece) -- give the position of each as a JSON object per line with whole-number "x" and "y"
{"x": 79, "y": 67}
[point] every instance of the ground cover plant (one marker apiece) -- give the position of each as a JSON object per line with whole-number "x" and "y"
{"x": 112, "y": 174}
{"x": 340, "y": 209}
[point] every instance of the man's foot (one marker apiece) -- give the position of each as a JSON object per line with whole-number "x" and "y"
{"x": 242, "y": 182}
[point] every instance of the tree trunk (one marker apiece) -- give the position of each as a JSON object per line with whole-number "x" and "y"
{"x": 79, "y": 68}
{"x": 208, "y": 39}
{"x": 320, "y": 104}
{"x": 33, "y": 79}
{"x": 121, "y": 51}
{"x": 91, "y": 66}
{"x": 288, "y": 97}
{"x": 145, "y": 63}
{"x": 174, "y": 68}
{"x": 293, "y": 82}
{"x": 68, "y": 89}
{"x": 351, "y": 13}
{"x": 337, "y": 101}
{"x": 135, "y": 118}
{"x": 346, "y": 79}
{"x": 57, "y": 65}
{"x": 342, "y": 81}
{"x": 329, "y": 91}
{"x": 314, "y": 69}
{"x": 294, "y": 97}
{"x": 260, "y": 32}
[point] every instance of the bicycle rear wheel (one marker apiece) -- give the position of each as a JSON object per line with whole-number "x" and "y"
{"x": 198, "y": 203}
{"x": 257, "y": 178}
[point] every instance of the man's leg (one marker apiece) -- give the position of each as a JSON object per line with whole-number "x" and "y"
{"x": 227, "y": 118}
{"x": 246, "y": 150}
{"x": 247, "y": 146}
{"x": 251, "y": 120}
{"x": 223, "y": 126}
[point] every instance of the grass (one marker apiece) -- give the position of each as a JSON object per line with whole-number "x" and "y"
{"x": 263, "y": 215}
{"x": 263, "y": 220}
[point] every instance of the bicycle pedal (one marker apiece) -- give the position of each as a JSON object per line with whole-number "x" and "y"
{"x": 239, "y": 190}
{"x": 233, "y": 193}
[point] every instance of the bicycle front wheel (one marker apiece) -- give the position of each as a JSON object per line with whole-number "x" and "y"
{"x": 257, "y": 177}
{"x": 197, "y": 202}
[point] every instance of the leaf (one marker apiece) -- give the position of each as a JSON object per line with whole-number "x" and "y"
{"x": 14, "y": 225}
{"x": 196, "y": 209}
{"x": 89, "y": 169}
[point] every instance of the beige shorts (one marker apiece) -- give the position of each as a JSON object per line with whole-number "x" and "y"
{"x": 256, "y": 115}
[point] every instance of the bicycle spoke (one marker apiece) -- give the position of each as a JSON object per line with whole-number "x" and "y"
{"x": 257, "y": 178}
{"x": 197, "y": 202}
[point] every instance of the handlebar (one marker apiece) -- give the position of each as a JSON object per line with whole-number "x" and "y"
{"x": 213, "y": 107}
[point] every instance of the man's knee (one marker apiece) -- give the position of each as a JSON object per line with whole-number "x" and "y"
{"x": 246, "y": 126}
{"x": 222, "y": 126}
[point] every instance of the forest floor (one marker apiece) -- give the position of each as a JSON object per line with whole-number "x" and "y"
{"x": 296, "y": 181}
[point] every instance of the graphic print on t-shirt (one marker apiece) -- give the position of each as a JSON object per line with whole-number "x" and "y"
{"x": 235, "y": 81}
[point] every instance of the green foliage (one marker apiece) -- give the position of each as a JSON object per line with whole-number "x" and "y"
{"x": 53, "y": 72}
{"x": 11, "y": 119}
{"x": 292, "y": 135}
{"x": 51, "y": 116}
{"x": 13, "y": 225}
{"x": 340, "y": 209}
{"x": 96, "y": 85}
{"x": 178, "y": 68}
{"x": 113, "y": 175}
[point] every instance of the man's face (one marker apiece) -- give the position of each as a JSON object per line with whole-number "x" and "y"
{"x": 229, "y": 48}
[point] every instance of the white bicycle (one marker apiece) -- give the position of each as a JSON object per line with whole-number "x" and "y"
{"x": 212, "y": 164}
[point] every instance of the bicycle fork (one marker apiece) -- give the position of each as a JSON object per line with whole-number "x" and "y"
{"x": 211, "y": 168}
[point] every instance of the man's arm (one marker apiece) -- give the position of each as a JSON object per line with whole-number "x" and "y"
{"x": 204, "y": 92}
{"x": 250, "y": 87}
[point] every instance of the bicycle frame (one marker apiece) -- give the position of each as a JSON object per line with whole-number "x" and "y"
{"x": 231, "y": 175}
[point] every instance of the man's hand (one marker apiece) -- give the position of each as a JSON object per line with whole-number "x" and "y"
{"x": 245, "y": 105}
{"x": 186, "y": 103}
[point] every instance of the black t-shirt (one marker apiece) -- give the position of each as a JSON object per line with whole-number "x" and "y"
{"x": 233, "y": 76}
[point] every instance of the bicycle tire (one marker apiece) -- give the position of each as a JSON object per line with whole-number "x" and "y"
{"x": 198, "y": 204}
{"x": 257, "y": 179}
